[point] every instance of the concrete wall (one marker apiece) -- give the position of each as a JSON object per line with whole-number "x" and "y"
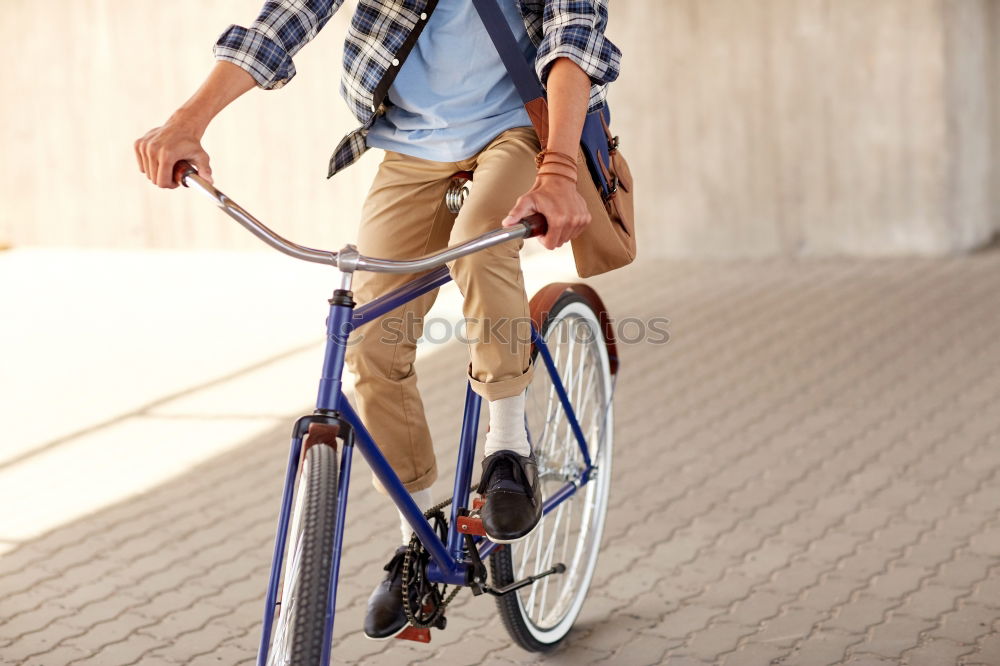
{"x": 970, "y": 95}
{"x": 995, "y": 78}
{"x": 754, "y": 126}
{"x": 97, "y": 74}
{"x": 808, "y": 126}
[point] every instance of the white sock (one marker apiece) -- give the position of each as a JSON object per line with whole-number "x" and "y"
{"x": 424, "y": 501}
{"x": 507, "y": 426}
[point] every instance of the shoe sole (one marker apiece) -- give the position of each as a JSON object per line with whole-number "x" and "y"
{"x": 389, "y": 637}
{"x": 520, "y": 538}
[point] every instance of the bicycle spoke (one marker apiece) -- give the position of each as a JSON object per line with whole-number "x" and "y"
{"x": 538, "y": 550}
{"x": 525, "y": 547}
{"x": 569, "y": 524}
{"x": 547, "y": 558}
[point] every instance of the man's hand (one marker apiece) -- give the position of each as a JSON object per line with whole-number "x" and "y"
{"x": 564, "y": 209}
{"x": 180, "y": 138}
{"x": 554, "y": 194}
{"x": 161, "y": 148}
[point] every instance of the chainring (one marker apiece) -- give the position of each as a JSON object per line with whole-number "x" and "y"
{"x": 423, "y": 601}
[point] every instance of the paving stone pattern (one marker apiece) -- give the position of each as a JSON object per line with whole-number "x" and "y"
{"x": 807, "y": 473}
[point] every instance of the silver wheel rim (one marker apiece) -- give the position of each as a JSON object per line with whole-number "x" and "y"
{"x": 280, "y": 653}
{"x": 571, "y": 533}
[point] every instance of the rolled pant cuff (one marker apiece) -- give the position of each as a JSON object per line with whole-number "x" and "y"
{"x": 506, "y": 388}
{"x": 420, "y": 483}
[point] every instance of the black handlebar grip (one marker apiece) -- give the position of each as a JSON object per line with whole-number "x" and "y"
{"x": 536, "y": 224}
{"x": 182, "y": 170}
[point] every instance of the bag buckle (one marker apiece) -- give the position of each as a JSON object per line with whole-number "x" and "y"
{"x": 612, "y": 189}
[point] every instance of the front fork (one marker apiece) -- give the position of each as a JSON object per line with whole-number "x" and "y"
{"x": 319, "y": 428}
{"x": 324, "y": 426}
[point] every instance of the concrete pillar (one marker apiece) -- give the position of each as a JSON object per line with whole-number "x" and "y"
{"x": 810, "y": 126}
{"x": 995, "y": 81}
{"x": 971, "y": 89}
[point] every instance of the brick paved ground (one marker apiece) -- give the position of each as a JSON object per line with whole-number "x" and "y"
{"x": 806, "y": 474}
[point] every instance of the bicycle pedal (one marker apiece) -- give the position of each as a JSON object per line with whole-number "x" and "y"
{"x": 411, "y": 633}
{"x": 477, "y": 503}
{"x": 471, "y": 525}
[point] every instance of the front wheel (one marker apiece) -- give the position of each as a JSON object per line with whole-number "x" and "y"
{"x": 540, "y": 615}
{"x": 300, "y": 626}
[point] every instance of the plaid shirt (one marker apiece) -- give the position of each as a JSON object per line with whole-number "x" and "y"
{"x": 381, "y": 35}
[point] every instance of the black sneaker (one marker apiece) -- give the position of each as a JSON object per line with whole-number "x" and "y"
{"x": 386, "y": 617}
{"x": 513, "y": 497}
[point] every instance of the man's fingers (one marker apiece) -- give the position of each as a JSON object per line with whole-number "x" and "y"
{"x": 165, "y": 170}
{"x": 141, "y": 146}
{"x": 579, "y": 228}
{"x": 158, "y": 173}
{"x": 138, "y": 153}
{"x": 201, "y": 163}
{"x": 524, "y": 207}
{"x": 556, "y": 235}
{"x": 571, "y": 230}
{"x": 147, "y": 162}
{"x": 567, "y": 232}
{"x": 563, "y": 229}
{"x": 152, "y": 163}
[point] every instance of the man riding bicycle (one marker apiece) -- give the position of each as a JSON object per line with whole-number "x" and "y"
{"x": 425, "y": 81}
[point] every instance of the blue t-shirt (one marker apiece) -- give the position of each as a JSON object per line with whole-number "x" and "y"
{"x": 453, "y": 94}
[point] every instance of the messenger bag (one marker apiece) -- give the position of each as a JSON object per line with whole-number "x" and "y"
{"x": 604, "y": 179}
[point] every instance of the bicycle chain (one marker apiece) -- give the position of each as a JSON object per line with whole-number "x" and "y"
{"x": 413, "y": 548}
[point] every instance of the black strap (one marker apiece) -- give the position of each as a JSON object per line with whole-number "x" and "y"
{"x": 382, "y": 88}
{"x": 521, "y": 73}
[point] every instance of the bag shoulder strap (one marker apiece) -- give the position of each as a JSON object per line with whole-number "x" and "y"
{"x": 521, "y": 72}
{"x": 506, "y": 45}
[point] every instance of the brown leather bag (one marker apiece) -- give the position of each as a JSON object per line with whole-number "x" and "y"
{"x": 608, "y": 242}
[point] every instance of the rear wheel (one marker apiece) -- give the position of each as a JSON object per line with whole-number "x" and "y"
{"x": 298, "y": 632}
{"x": 540, "y": 615}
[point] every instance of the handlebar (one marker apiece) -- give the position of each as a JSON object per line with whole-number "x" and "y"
{"x": 348, "y": 259}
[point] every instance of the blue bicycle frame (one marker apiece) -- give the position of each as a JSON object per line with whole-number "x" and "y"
{"x": 449, "y": 563}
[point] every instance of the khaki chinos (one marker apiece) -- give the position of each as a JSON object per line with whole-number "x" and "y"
{"x": 405, "y": 216}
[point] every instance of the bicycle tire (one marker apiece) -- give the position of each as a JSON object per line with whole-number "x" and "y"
{"x": 301, "y": 624}
{"x": 532, "y": 629}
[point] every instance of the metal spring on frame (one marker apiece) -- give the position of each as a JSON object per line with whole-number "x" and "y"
{"x": 457, "y": 192}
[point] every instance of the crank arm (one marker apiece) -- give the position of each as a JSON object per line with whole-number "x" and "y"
{"x": 518, "y": 584}
{"x": 476, "y": 573}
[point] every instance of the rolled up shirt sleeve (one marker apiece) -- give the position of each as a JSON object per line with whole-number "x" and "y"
{"x": 574, "y": 29}
{"x": 265, "y": 49}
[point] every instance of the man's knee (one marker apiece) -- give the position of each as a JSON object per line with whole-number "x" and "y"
{"x": 498, "y": 263}
{"x": 384, "y": 348}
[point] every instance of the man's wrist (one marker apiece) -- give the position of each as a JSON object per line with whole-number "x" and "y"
{"x": 550, "y": 178}
{"x": 560, "y": 145}
{"x": 554, "y": 163}
{"x": 192, "y": 118}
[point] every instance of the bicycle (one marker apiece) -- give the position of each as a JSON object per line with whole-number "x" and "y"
{"x": 570, "y": 426}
